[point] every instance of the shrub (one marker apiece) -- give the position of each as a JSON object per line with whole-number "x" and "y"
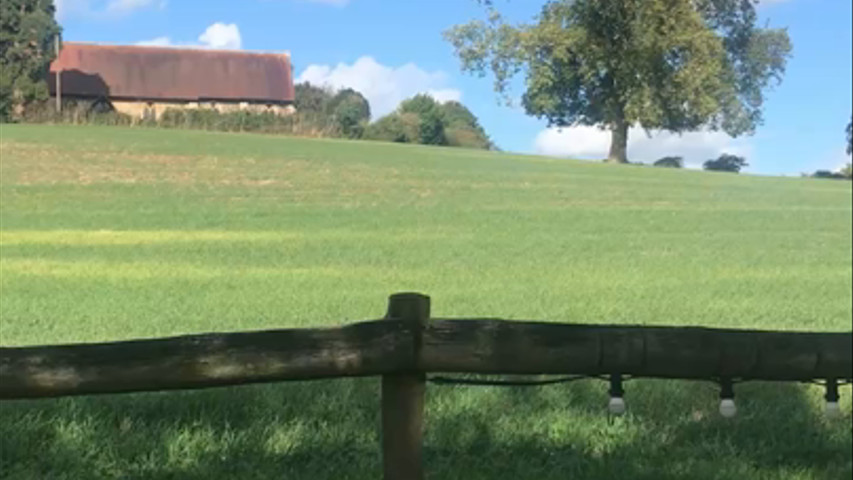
{"x": 173, "y": 118}
{"x": 726, "y": 163}
{"x": 98, "y": 111}
{"x": 829, "y": 175}
{"x": 388, "y": 129}
{"x": 112, "y": 118}
{"x": 395, "y": 127}
{"x": 201, "y": 118}
{"x": 670, "y": 162}
{"x": 466, "y": 138}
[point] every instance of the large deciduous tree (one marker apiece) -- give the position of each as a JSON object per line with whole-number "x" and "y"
{"x": 27, "y": 34}
{"x": 676, "y": 65}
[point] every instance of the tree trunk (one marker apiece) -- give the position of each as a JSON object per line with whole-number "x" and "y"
{"x": 618, "y": 142}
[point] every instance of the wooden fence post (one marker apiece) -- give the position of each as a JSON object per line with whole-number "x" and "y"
{"x": 403, "y": 397}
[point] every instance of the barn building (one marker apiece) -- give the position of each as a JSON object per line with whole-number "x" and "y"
{"x": 144, "y": 81}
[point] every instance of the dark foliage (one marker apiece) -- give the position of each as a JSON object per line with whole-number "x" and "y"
{"x": 27, "y": 34}
{"x": 726, "y": 163}
{"x": 670, "y": 162}
{"x": 826, "y": 174}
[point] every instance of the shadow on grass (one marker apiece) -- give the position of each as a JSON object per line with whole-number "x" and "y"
{"x": 329, "y": 430}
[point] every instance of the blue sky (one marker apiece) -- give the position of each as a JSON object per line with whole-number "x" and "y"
{"x": 392, "y": 49}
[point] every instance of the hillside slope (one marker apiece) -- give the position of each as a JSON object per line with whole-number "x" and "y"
{"x": 264, "y": 231}
{"x": 111, "y": 233}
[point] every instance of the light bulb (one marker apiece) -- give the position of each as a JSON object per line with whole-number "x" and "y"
{"x": 728, "y": 409}
{"x": 616, "y": 406}
{"x": 831, "y": 397}
{"x": 833, "y": 410}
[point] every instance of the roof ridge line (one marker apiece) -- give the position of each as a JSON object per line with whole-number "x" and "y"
{"x": 179, "y": 48}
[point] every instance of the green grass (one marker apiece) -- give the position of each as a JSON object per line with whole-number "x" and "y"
{"x": 113, "y": 233}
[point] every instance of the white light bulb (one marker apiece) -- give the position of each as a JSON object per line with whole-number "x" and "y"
{"x": 616, "y": 406}
{"x": 833, "y": 410}
{"x": 728, "y": 409}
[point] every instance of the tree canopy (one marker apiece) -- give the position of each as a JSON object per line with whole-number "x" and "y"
{"x": 351, "y": 112}
{"x": 422, "y": 119}
{"x": 351, "y": 97}
{"x": 311, "y": 98}
{"x": 431, "y": 128}
{"x": 676, "y": 65}
{"x": 27, "y": 34}
{"x": 346, "y": 109}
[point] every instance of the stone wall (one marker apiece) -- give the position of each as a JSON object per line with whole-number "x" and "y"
{"x": 144, "y": 109}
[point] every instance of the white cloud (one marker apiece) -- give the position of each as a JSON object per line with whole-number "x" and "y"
{"x": 594, "y": 144}
{"x": 156, "y": 42}
{"x": 218, "y": 35}
{"x": 383, "y": 86}
{"x": 221, "y": 35}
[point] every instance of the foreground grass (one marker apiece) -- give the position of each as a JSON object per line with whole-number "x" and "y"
{"x": 110, "y": 233}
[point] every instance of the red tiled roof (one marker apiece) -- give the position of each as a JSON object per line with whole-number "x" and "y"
{"x": 162, "y": 73}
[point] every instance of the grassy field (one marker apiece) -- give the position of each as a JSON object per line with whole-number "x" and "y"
{"x": 112, "y": 233}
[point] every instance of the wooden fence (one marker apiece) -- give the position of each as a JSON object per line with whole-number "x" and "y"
{"x": 406, "y": 345}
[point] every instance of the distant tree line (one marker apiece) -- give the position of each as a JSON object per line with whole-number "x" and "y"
{"x": 726, "y": 162}
{"x": 420, "y": 119}
{"x": 29, "y": 31}
{"x": 320, "y": 112}
{"x": 842, "y": 174}
{"x": 733, "y": 163}
{"x": 845, "y": 172}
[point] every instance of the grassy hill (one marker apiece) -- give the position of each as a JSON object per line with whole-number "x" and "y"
{"x": 112, "y": 233}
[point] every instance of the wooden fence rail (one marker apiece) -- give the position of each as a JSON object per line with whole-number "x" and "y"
{"x": 407, "y": 345}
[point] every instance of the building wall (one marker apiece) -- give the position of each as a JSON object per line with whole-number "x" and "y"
{"x": 143, "y": 109}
